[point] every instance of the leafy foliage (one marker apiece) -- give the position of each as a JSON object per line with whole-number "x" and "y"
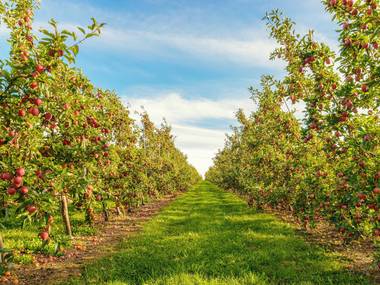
{"x": 64, "y": 142}
{"x": 326, "y": 167}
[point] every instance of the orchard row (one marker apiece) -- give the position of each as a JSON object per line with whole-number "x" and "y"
{"x": 325, "y": 165}
{"x": 65, "y": 143}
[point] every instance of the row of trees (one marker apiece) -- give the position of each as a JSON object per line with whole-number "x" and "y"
{"x": 328, "y": 165}
{"x": 64, "y": 142}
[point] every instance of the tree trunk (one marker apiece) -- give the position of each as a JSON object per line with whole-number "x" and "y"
{"x": 90, "y": 216}
{"x": 105, "y": 212}
{"x": 119, "y": 211}
{"x": 65, "y": 215}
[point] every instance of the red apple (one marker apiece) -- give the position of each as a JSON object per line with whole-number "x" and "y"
{"x": 17, "y": 180}
{"x": 34, "y": 111}
{"x": 20, "y": 171}
{"x": 31, "y": 209}
{"x": 24, "y": 190}
{"x": 364, "y": 88}
{"x": 362, "y": 196}
{"x": 376, "y": 191}
{"x": 347, "y": 42}
{"x": 44, "y": 236}
{"x": 39, "y": 174}
{"x": 40, "y": 68}
{"x": 48, "y": 116}
{"x": 355, "y": 12}
{"x": 11, "y": 191}
{"x": 38, "y": 102}
{"x": 21, "y": 113}
{"x": 6, "y": 176}
{"x": 34, "y": 85}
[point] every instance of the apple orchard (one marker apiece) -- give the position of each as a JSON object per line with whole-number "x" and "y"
{"x": 66, "y": 146}
{"x": 71, "y": 153}
{"x": 328, "y": 166}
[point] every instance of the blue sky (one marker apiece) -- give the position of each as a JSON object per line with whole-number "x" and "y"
{"x": 190, "y": 61}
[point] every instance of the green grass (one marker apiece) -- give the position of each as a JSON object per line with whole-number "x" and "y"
{"x": 210, "y": 237}
{"x": 24, "y": 241}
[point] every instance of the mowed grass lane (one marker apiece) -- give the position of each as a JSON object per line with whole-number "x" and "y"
{"x": 208, "y": 236}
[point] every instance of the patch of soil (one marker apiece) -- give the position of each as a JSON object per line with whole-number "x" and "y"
{"x": 359, "y": 253}
{"x": 52, "y": 270}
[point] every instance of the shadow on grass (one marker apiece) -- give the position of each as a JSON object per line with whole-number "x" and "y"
{"x": 211, "y": 237}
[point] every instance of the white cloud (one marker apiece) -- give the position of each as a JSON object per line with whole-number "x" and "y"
{"x": 199, "y": 143}
{"x": 253, "y": 51}
{"x": 177, "y": 109}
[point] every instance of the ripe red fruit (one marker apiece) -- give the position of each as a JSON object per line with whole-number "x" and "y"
{"x": 6, "y": 176}
{"x": 11, "y": 191}
{"x": 34, "y": 85}
{"x": 20, "y": 171}
{"x": 66, "y": 106}
{"x": 34, "y": 111}
{"x": 364, "y": 88}
{"x": 60, "y": 52}
{"x": 38, "y": 102}
{"x": 365, "y": 45}
{"x": 31, "y": 209}
{"x": 66, "y": 142}
{"x": 355, "y": 12}
{"x": 21, "y": 113}
{"x": 12, "y": 133}
{"x": 17, "y": 180}
{"x": 40, "y": 68}
{"x": 44, "y": 236}
{"x": 376, "y": 191}
{"x": 24, "y": 190}
{"x": 333, "y": 2}
{"x": 48, "y": 116}
{"x": 349, "y": 104}
{"x": 372, "y": 207}
{"x": 347, "y": 42}
{"x": 39, "y": 174}
{"x": 362, "y": 196}
{"x": 375, "y": 45}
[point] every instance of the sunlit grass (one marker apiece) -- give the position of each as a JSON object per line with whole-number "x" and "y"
{"x": 24, "y": 241}
{"x": 210, "y": 237}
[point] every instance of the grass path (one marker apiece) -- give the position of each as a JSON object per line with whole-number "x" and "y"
{"x": 210, "y": 237}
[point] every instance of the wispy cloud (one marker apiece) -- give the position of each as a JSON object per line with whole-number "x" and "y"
{"x": 177, "y": 109}
{"x": 252, "y": 52}
{"x": 198, "y": 142}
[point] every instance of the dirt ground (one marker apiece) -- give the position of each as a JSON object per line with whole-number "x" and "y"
{"x": 51, "y": 270}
